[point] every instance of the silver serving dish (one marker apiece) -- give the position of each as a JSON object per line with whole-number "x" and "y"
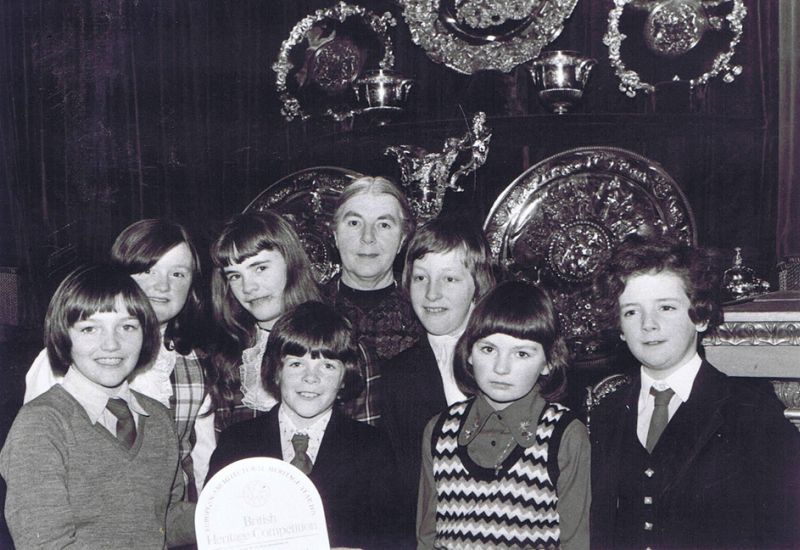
{"x": 478, "y": 35}
{"x": 559, "y": 221}
{"x": 307, "y": 199}
{"x": 338, "y": 45}
{"x": 560, "y": 76}
{"x": 672, "y": 31}
{"x": 674, "y": 27}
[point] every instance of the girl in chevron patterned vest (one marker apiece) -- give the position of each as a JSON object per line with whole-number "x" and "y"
{"x": 161, "y": 257}
{"x": 509, "y": 467}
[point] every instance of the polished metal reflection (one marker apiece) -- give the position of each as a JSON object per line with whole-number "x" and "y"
{"x": 478, "y": 35}
{"x": 674, "y": 27}
{"x": 427, "y": 176}
{"x": 382, "y": 89}
{"x": 560, "y": 77}
{"x": 739, "y": 282}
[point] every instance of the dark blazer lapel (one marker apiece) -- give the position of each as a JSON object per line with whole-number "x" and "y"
{"x": 270, "y": 436}
{"x": 623, "y": 421}
{"x": 612, "y": 425}
{"x": 695, "y": 422}
{"x": 429, "y": 379}
{"x": 331, "y": 456}
{"x": 618, "y": 420}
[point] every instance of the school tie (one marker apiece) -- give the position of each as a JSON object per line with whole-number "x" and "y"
{"x": 301, "y": 460}
{"x": 126, "y": 427}
{"x": 660, "y": 416}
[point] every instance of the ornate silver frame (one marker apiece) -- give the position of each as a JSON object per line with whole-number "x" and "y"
{"x": 630, "y": 80}
{"x": 290, "y": 105}
{"x": 559, "y": 221}
{"x": 502, "y": 52}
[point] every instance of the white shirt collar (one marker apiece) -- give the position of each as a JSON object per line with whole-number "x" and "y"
{"x": 681, "y": 381}
{"x": 93, "y": 398}
{"x": 444, "y": 348}
{"x": 315, "y": 433}
{"x": 444, "y": 345}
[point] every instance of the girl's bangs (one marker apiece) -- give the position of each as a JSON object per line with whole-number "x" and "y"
{"x": 146, "y": 256}
{"x": 239, "y": 246}
{"x": 143, "y": 250}
{"x": 525, "y": 325}
{"x": 100, "y": 302}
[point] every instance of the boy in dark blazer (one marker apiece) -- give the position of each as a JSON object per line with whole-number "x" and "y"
{"x": 685, "y": 457}
{"x": 447, "y": 270}
{"x": 311, "y": 361}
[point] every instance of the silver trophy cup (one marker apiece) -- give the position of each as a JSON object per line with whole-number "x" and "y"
{"x": 560, "y": 76}
{"x": 382, "y": 91}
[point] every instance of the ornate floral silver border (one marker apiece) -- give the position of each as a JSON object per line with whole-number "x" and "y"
{"x": 630, "y": 81}
{"x": 502, "y": 55}
{"x": 342, "y": 11}
{"x": 560, "y": 220}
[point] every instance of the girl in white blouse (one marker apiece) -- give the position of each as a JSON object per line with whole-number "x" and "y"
{"x": 161, "y": 257}
{"x": 261, "y": 270}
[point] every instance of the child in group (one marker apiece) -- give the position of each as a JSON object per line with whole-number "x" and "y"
{"x": 161, "y": 257}
{"x": 261, "y": 270}
{"x": 508, "y": 468}
{"x": 685, "y": 456}
{"x": 312, "y": 364}
{"x": 92, "y": 463}
{"x": 447, "y": 270}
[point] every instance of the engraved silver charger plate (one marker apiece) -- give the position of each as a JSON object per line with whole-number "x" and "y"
{"x": 687, "y": 40}
{"x": 307, "y": 198}
{"x": 559, "y": 221}
{"x": 477, "y": 35}
{"x": 325, "y": 54}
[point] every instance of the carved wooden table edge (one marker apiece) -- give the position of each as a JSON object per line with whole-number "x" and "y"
{"x": 761, "y": 339}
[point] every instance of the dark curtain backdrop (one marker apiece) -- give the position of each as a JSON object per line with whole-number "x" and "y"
{"x": 789, "y": 197}
{"x": 114, "y": 110}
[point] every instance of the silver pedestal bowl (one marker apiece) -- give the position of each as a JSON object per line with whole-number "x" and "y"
{"x": 560, "y": 76}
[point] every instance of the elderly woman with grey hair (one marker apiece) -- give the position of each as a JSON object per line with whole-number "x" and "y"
{"x": 371, "y": 223}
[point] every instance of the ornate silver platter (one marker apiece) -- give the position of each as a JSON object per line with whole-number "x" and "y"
{"x": 560, "y": 220}
{"x": 326, "y": 52}
{"x": 306, "y": 198}
{"x": 651, "y": 41}
{"x": 477, "y": 35}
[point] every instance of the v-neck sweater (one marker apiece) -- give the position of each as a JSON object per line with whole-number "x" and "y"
{"x": 73, "y": 482}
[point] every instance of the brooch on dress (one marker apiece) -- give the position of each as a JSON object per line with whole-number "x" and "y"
{"x": 524, "y": 429}
{"x": 472, "y": 429}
